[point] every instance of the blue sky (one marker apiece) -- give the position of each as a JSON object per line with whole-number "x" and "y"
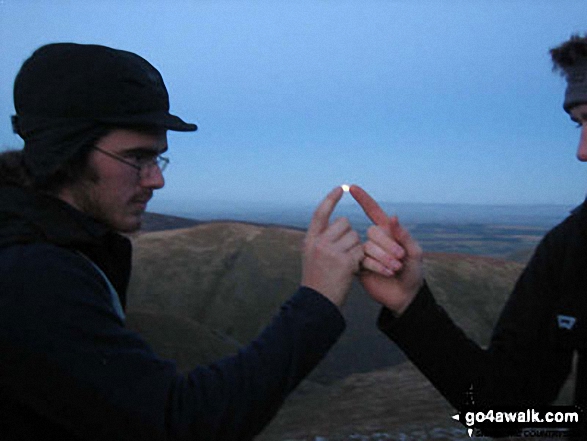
{"x": 417, "y": 101}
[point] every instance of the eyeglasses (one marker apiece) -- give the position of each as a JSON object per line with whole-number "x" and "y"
{"x": 141, "y": 162}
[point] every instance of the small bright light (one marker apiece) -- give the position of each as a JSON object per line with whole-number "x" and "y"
{"x": 345, "y": 187}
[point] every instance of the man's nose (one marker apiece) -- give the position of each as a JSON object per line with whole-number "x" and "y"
{"x": 582, "y": 149}
{"x": 153, "y": 178}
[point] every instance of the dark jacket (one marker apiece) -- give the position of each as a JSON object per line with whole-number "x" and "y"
{"x": 543, "y": 324}
{"x": 69, "y": 369}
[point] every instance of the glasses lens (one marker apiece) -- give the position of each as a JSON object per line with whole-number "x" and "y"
{"x": 147, "y": 168}
{"x": 162, "y": 162}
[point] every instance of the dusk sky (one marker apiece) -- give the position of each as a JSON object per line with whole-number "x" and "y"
{"x": 417, "y": 101}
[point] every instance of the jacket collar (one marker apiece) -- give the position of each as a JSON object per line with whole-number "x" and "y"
{"x": 581, "y": 210}
{"x": 30, "y": 217}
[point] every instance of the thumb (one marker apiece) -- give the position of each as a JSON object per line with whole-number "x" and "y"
{"x": 404, "y": 238}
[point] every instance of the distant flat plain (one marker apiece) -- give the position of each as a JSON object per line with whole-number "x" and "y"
{"x": 509, "y": 232}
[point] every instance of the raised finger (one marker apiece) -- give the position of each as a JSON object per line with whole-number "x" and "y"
{"x": 369, "y": 206}
{"x": 322, "y": 213}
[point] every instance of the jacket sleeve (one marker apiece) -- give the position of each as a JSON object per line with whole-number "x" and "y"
{"x": 66, "y": 355}
{"x": 521, "y": 366}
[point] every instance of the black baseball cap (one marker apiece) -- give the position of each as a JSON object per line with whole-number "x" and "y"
{"x": 91, "y": 83}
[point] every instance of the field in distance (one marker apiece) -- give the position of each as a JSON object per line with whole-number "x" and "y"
{"x": 509, "y": 242}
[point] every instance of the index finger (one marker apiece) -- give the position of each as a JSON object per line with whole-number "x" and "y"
{"x": 321, "y": 216}
{"x": 370, "y": 206}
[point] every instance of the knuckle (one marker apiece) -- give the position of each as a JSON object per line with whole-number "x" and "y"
{"x": 403, "y": 235}
{"x": 321, "y": 245}
{"x": 342, "y": 222}
{"x": 324, "y": 249}
{"x": 399, "y": 251}
{"x": 369, "y": 247}
{"x": 370, "y": 264}
{"x": 372, "y": 231}
{"x": 360, "y": 252}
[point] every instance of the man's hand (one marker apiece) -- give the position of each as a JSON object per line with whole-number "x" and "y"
{"x": 393, "y": 260}
{"x": 332, "y": 252}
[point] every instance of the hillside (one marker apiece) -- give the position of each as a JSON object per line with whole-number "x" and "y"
{"x": 198, "y": 293}
{"x": 159, "y": 222}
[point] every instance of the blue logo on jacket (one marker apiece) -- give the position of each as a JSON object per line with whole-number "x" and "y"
{"x": 566, "y": 322}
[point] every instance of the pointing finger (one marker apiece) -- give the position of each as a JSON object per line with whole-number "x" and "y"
{"x": 321, "y": 216}
{"x": 369, "y": 206}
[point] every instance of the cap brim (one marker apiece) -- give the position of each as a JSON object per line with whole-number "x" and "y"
{"x": 177, "y": 124}
{"x": 158, "y": 119}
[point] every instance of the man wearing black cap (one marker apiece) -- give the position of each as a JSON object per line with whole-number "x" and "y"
{"x": 94, "y": 122}
{"x": 543, "y": 325}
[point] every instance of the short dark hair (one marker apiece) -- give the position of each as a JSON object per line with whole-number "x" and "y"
{"x": 14, "y": 172}
{"x": 570, "y": 53}
{"x": 66, "y": 173}
{"x": 14, "y": 169}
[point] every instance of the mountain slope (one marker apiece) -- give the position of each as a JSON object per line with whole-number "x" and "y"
{"x": 199, "y": 293}
{"x": 231, "y": 278}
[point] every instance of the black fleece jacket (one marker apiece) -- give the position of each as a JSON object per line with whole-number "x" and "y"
{"x": 69, "y": 369}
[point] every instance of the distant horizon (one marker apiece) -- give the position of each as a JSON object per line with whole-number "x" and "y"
{"x": 346, "y": 200}
{"x": 299, "y": 214}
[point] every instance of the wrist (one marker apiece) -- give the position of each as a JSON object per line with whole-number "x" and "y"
{"x": 328, "y": 294}
{"x": 398, "y": 308}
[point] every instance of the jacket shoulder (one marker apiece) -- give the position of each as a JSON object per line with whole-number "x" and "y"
{"x": 571, "y": 231}
{"x": 42, "y": 277}
{"x": 40, "y": 259}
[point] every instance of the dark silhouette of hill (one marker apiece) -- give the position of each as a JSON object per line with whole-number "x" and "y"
{"x": 198, "y": 293}
{"x": 158, "y": 222}
{"x": 163, "y": 222}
